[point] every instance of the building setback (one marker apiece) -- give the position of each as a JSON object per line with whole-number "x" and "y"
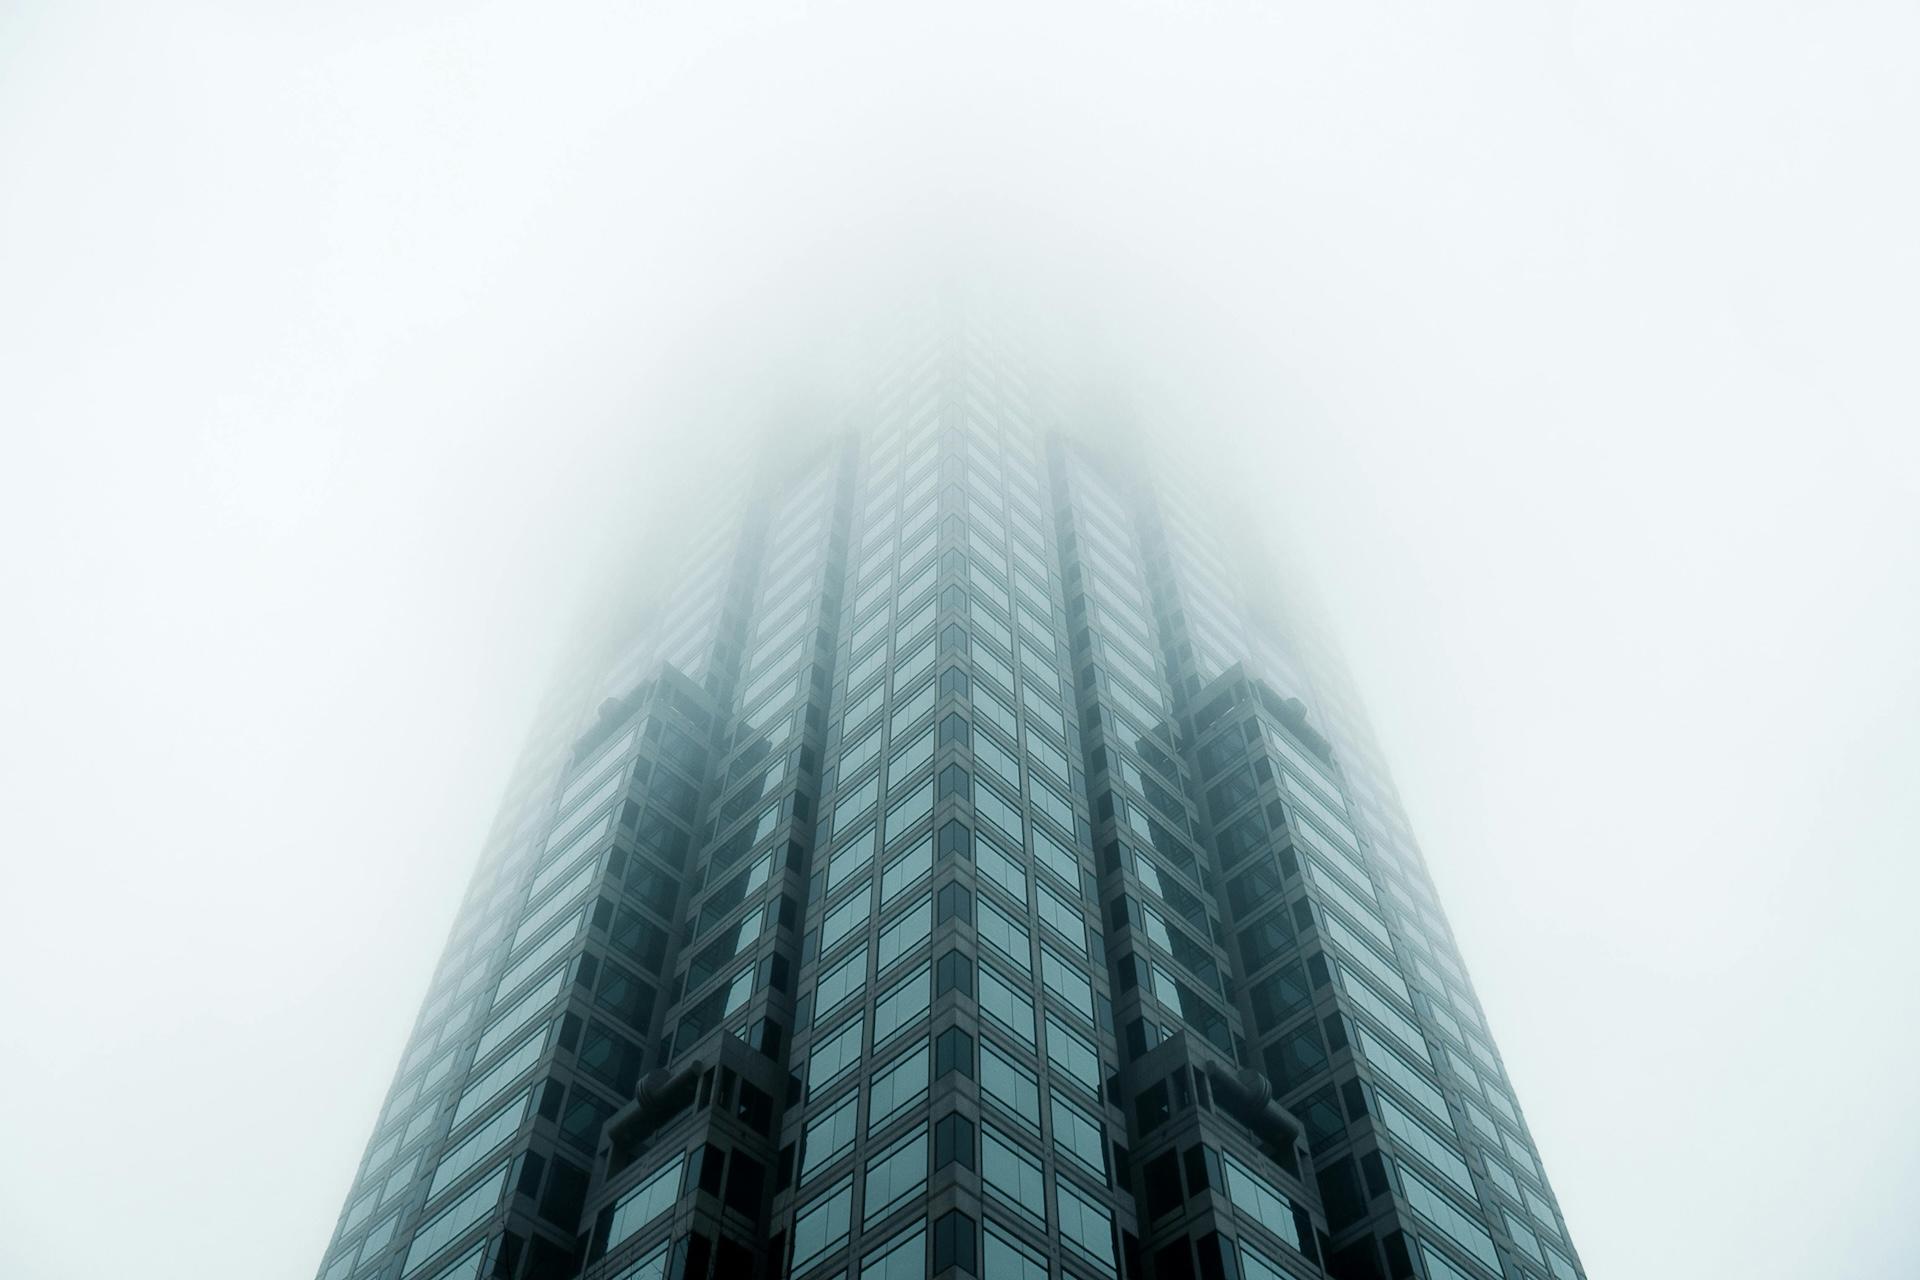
{"x": 967, "y": 869}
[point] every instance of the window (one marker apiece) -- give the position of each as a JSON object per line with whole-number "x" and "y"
{"x": 911, "y": 810}
{"x": 953, "y": 901}
{"x": 1279, "y": 995}
{"x": 1007, "y": 1258}
{"x": 1079, "y": 1136}
{"x": 906, "y": 869}
{"x": 953, "y": 1240}
{"x": 862, "y": 636}
{"x": 1056, "y": 857}
{"x": 908, "y": 930}
{"x": 829, "y": 1135}
{"x": 840, "y": 983}
{"x": 954, "y": 971}
{"x": 488, "y": 1086}
{"x": 611, "y": 1057}
{"x": 581, "y": 1118}
{"x": 1521, "y": 1156}
{"x": 857, "y": 712}
{"x": 1439, "y": 1266}
{"x": 1424, "y": 1142}
{"x": 1005, "y": 1006}
{"x": 986, "y": 624}
{"x": 1497, "y": 1173}
{"x": 1012, "y": 1176}
{"x": 1301, "y": 761}
{"x": 912, "y": 626}
{"x": 1291, "y": 1061}
{"x": 1261, "y": 1201}
{"x": 1001, "y": 763}
{"x": 1264, "y": 939}
{"x": 1521, "y": 1234}
{"x": 954, "y": 729}
{"x": 1320, "y": 1115}
{"x": 593, "y": 772}
{"x": 1162, "y": 1179}
{"x": 698, "y": 1019}
{"x": 1010, "y": 1085}
{"x": 1067, "y": 982}
{"x": 983, "y": 544}
{"x": 1483, "y": 1122}
{"x": 1542, "y": 1212}
{"x": 361, "y": 1208}
{"x": 565, "y": 828}
{"x": 384, "y": 1152}
{"x": 565, "y": 863}
{"x": 999, "y": 811}
{"x": 956, "y": 841}
{"x": 894, "y": 1177}
{"x": 1085, "y": 1224}
{"x": 1072, "y": 1056}
{"x": 988, "y": 707}
{"x": 1040, "y": 751}
{"x": 857, "y": 753}
{"x": 953, "y": 1051}
{"x": 398, "y": 1180}
{"x": 953, "y": 1142}
{"x": 1039, "y": 710}
{"x": 1337, "y": 894}
{"x": 823, "y": 1225}
{"x": 720, "y": 953}
{"x": 1402, "y": 1073}
{"x": 924, "y": 578}
{"x": 990, "y": 590}
{"x": 523, "y": 1011}
{"x": 897, "y": 1088}
{"x": 912, "y": 708}
{"x": 910, "y": 757}
{"x": 1231, "y": 791}
{"x": 1049, "y": 801}
{"x": 1255, "y": 1265}
{"x": 904, "y": 1005}
{"x": 1396, "y": 1023}
{"x": 1334, "y": 822}
{"x": 652, "y": 1267}
{"x": 999, "y": 931}
{"x": 1436, "y": 1209}
{"x": 1001, "y": 869}
{"x": 1034, "y": 665}
{"x": 849, "y": 859}
{"x": 1055, "y": 911}
{"x": 856, "y": 803}
{"x": 717, "y": 906}
{"x": 843, "y": 919}
{"x": 455, "y": 1220}
{"x": 834, "y": 1055}
{"x": 653, "y": 1197}
{"x": 481, "y": 1144}
{"x": 903, "y": 1258}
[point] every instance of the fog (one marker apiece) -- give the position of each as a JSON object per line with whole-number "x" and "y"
{"x": 348, "y": 351}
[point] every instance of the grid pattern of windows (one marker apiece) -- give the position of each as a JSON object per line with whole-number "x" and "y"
{"x": 971, "y": 781}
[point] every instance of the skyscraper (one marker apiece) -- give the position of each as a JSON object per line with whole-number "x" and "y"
{"x": 973, "y": 865}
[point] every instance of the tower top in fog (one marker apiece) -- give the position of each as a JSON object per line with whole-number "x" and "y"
{"x": 971, "y": 863}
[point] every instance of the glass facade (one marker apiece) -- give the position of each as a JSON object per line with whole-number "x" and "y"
{"x": 968, "y": 869}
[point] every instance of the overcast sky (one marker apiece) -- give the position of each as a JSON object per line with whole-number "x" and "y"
{"x": 344, "y": 346}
